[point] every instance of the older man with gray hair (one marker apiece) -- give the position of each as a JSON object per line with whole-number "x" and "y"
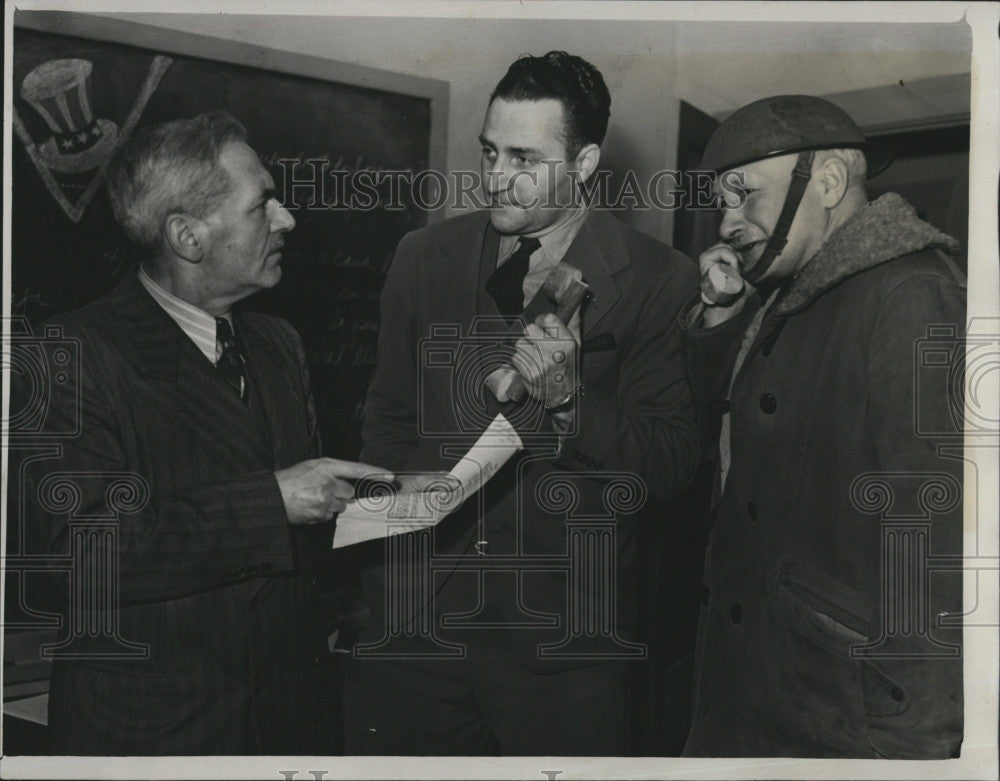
{"x": 208, "y": 409}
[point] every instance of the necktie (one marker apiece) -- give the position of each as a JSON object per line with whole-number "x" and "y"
{"x": 506, "y": 284}
{"x": 231, "y": 360}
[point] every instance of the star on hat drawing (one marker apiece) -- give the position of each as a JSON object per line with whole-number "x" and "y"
{"x": 59, "y": 91}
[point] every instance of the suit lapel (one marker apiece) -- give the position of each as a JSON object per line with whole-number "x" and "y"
{"x": 598, "y": 253}
{"x": 464, "y": 260}
{"x": 271, "y": 377}
{"x": 158, "y": 341}
{"x": 457, "y": 301}
{"x": 184, "y": 380}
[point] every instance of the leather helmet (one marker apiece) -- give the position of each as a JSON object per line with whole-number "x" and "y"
{"x": 786, "y": 124}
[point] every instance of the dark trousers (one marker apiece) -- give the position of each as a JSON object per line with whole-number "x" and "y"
{"x": 488, "y": 703}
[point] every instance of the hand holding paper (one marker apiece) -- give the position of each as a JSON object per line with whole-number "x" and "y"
{"x": 426, "y": 498}
{"x": 314, "y": 490}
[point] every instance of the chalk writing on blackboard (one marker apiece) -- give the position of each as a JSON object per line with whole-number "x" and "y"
{"x": 334, "y": 260}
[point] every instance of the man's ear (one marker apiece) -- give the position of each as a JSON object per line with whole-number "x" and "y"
{"x": 833, "y": 179}
{"x": 184, "y": 235}
{"x": 587, "y": 160}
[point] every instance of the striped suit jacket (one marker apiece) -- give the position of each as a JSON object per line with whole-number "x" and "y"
{"x": 209, "y": 572}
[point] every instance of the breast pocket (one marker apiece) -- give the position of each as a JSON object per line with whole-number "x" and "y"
{"x": 600, "y": 367}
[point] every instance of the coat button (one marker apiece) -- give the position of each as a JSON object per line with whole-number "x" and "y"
{"x": 736, "y": 612}
{"x": 768, "y": 404}
{"x": 752, "y": 510}
{"x": 896, "y": 693}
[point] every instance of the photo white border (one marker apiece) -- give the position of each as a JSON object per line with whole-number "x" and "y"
{"x": 979, "y": 759}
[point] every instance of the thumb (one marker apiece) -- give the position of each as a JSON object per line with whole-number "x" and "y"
{"x": 721, "y": 253}
{"x": 353, "y": 470}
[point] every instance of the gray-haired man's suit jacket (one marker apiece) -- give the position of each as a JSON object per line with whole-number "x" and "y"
{"x": 208, "y": 576}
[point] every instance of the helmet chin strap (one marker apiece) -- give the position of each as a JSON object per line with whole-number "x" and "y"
{"x": 779, "y": 236}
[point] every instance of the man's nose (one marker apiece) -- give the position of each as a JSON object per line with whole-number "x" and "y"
{"x": 281, "y": 218}
{"x": 732, "y": 223}
{"x": 497, "y": 177}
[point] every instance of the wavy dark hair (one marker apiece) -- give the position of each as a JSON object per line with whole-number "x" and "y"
{"x": 571, "y": 80}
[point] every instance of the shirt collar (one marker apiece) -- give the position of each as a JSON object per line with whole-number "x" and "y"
{"x": 555, "y": 241}
{"x": 198, "y": 324}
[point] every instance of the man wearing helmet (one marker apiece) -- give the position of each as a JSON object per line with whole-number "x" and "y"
{"x": 824, "y": 632}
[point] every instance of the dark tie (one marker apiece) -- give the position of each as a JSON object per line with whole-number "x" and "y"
{"x": 506, "y": 284}
{"x": 231, "y": 360}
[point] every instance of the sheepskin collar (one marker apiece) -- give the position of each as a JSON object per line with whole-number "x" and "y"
{"x": 884, "y": 229}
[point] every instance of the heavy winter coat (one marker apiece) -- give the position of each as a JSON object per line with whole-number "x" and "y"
{"x": 820, "y": 634}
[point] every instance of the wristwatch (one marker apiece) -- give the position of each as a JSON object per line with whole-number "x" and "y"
{"x": 567, "y": 402}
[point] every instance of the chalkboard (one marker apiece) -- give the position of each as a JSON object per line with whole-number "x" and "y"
{"x": 67, "y": 249}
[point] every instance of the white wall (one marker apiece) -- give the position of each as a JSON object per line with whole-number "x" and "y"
{"x": 648, "y": 65}
{"x": 472, "y": 55}
{"x": 724, "y": 65}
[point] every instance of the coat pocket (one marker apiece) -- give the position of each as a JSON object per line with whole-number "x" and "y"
{"x": 599, "y": 367}
{"x": 839, "y": 619}
{"x": 820, "y": 607}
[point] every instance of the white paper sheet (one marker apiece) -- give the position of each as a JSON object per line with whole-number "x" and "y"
{"x": 387, "y": 513}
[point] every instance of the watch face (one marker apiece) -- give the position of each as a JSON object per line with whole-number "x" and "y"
{"x": 565, "y": 403}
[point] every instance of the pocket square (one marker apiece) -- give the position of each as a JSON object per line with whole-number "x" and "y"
{"x": 599, "y": 342}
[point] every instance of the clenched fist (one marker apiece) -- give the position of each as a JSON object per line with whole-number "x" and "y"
{"x": 546, "y": 358}
{"x": 723, "y": 290}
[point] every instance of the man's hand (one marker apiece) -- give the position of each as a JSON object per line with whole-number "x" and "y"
{"x": 720, "y": 278}
{"x": 316, "y": 489}
{"x": 546, "y": 358}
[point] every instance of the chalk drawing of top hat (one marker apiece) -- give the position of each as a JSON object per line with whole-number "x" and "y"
{"x": 57, "y": 90}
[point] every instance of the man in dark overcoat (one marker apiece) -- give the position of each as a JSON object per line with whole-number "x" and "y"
{"x": 830, "y": 627}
